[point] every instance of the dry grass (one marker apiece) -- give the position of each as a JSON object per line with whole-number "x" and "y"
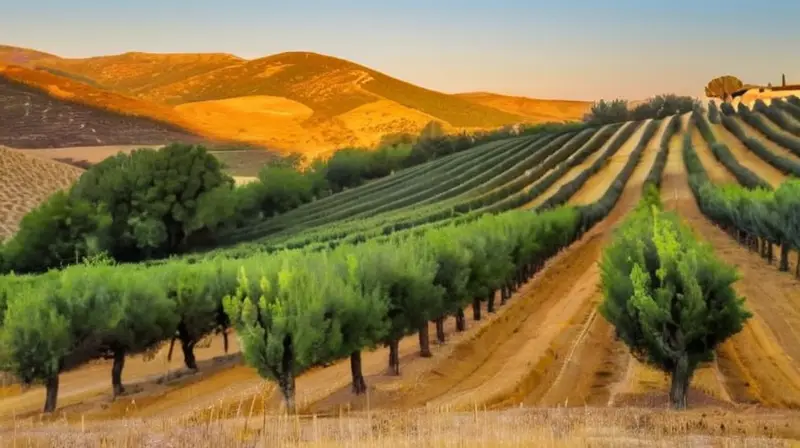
{"x": 429, "y": 428}
{"x": 25, "y": 183}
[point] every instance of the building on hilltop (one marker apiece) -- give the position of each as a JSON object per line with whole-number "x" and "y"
{"x": 749, "y": 93}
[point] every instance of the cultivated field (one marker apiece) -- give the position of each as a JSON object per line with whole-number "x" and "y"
{"x": 546, "y": 350}
{"x": 26, "y": 182}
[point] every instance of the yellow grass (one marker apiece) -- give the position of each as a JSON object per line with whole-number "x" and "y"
{"x": 552, "y": 427}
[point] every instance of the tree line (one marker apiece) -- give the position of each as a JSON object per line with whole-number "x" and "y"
{"x": 657, "y": 107}
{"x": 151, "y": 204}
{"x": 754, "y": 214}
{"x": 292, "y": 309}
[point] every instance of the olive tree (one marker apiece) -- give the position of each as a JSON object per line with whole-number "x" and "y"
{"x": 669, "y": 298}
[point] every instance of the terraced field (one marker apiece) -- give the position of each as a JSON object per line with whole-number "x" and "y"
{"x": 546, "y": 346}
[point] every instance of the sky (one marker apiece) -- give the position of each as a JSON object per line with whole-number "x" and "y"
{"x": 565, "y": 49}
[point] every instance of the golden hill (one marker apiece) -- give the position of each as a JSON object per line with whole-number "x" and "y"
{"x": 294, "y": 101}
{"x": 537, "y": 110}
{"x": 70, "y": 109}
{"x": 25, "y": 183}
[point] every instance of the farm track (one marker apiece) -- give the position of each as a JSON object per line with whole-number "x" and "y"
{"x": 762, "y": 363}
{"x": 759, "y": 166}
{"x": 716, "y": 170}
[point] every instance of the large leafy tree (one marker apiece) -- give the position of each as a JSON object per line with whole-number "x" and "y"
{"x": 58, "y": 232}
{"x": 152, "y": 196}
{"x": 284, "y": 317}
{"x": 668, "y": 296}
{"x": 723, "y": 87}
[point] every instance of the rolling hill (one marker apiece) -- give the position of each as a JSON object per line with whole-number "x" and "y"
{"x": 293, "y": 101}
{"x": 532, "y": 109}
{"x": 42, "y": 110}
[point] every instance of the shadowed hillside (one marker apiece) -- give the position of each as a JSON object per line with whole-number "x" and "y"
{"x": 533, "y": 109}
{"x": 296, "y": 101}
{"x": 40, "y": 110}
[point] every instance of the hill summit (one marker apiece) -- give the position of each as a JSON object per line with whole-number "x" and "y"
{"x": 296, "y": 100}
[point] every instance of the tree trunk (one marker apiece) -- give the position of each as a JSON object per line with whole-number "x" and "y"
{"x": 171, "y": 346}
{"x": 286, "y": 380}
{"x": 424, "y": 341}
{"x": 359, "y": 385}
{"x": 116, "y": 372}
{"x": 51, "y": 396}
{"x": 490, "y": 302}
{"x": 394, "y": 357}
{"x": 476, "y": 309}
{"x": 680, "y": 383}
{"x": 440, "y": 338}
{"x": 461, "y": 320}
{"x": 784, "y": 265}
{"x": 225, "y": 340}
{"x": 187, "y": 345}
{"x": 770, "y": 252}
{"x": 797, "y": 266}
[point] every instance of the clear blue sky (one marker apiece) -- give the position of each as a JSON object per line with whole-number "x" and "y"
{"x": 573, "y": 49}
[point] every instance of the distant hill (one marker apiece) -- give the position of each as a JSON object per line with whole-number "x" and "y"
{"x": 40, "y": 110}
{"x": 533, "y": 109}
{"x": 293, "y": 101}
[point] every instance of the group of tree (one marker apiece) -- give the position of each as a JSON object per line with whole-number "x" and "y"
{"x": 753, "y": 213}
{"x": 155, "y": 203}
{"x": 657, "y": 107}
{"x": 291, "y": 309}
{"x": 669, "y": 298}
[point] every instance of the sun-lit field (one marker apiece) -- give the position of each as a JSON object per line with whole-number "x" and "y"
{"x": 542, "y": 369}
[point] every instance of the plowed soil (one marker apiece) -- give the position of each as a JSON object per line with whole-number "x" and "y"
{"x": 26, "y": 182}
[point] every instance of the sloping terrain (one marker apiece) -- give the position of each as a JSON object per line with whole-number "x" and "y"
{"x": 40, "y": 110}
{"x": 25, "y": 182}
{"x": 546, "y": 347}
{"x": 536, "y": 110}
{"x": 225, "y": 97}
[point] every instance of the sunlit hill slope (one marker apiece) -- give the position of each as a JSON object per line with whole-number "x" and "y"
{"x": 298, "y": 100}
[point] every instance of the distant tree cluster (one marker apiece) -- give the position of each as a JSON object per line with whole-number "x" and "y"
{"x": 657, "y": 107}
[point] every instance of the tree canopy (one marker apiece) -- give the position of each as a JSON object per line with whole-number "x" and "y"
{"x": 669, "y": 298}
{"x": 723, "y": 87}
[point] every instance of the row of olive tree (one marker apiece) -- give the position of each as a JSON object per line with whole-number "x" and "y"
{"x": 292, "y": 310}
{"x": 756, "y": 216}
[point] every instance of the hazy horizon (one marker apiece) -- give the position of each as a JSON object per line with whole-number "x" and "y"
{"x": 575, "y": 50}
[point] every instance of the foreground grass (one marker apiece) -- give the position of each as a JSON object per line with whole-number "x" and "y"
{"x": 559, "y": 427}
